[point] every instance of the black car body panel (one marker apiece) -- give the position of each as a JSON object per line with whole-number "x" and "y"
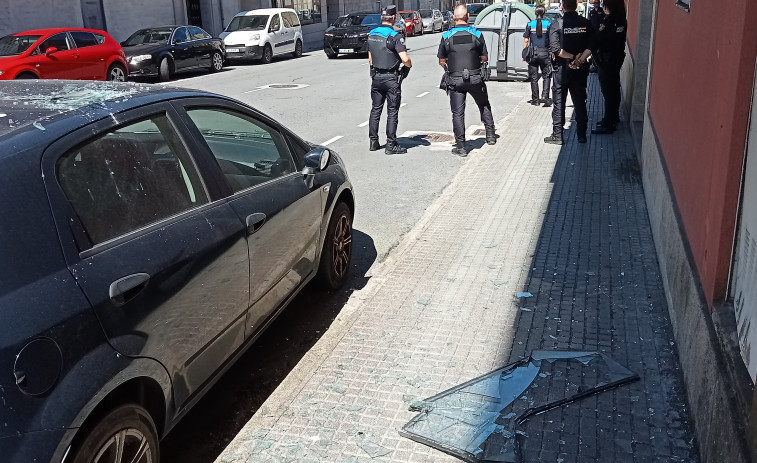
{"x": 73, "y": 344}
{"x": 184, "y": 55}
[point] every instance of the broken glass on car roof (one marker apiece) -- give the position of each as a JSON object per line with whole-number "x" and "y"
{"x": 478, "y": 421}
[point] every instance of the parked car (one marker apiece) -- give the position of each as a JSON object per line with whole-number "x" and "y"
{"x": 349, "y": 33}
{"x": 262, "y": 34}
{"x": 62, "y": 54}
{"x": 432, "y": 20}
{"x": 164, "y": 51}
{"x": 448, "y": 20}
{"x": 553, "y": 14}
{"x": 473, "y": 10}
{"x": 413, "y": 22}
{"x": 150, "y": 235}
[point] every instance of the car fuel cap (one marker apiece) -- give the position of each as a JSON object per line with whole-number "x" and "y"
{"x": 38, "y": 366}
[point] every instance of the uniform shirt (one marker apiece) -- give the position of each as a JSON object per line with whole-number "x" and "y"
{"x": 460, "y": 37}
{"x": 541, "y": 41}
{"x": 611, "y": 35}
{"x": 385, "y": 44}
{"x": 554, "y": 32}
{"x": 596, "y": 15}
{"x": 577, "y": 33}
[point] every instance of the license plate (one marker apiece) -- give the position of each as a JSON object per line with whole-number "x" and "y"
{"x": 233, "y": 50}
{"x": 346, "y": 50}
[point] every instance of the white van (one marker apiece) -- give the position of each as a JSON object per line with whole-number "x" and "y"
{"x": 263, "y": 34}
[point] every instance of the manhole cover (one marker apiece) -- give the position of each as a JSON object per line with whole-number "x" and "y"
{"x": 284, "y": 86}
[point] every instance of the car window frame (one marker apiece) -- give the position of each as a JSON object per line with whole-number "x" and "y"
{"x": 173, "y": 36}
{"x": 69, "y": 42}
{"x": 191, "y": 35}
{"x": 71, "y": 34}
{"x": 67, "y": 222}
{"x": 203, "y": 103}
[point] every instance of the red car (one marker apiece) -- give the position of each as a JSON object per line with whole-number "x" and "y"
{"x": 413, "y": 23}
{"x": 62, "y": 54}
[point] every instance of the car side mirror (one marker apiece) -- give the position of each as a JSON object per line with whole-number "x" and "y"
{"x": 50, "y": 50}
{"x": 316, "y": 160}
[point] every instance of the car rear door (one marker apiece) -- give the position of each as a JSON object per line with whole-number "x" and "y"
{"x": 181, "y": 49}
{"x": 282, "y": 214}
{"x": 92, "y": 55}
{"x": 63, "y": 63}
{"x": 201, "y": 46}
{"x": 163, "y": 261}
{"x": 276, "y": 33}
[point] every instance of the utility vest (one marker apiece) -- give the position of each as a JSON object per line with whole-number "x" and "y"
{"x": 383, "y": 58}
{"x": 463, "y": 51}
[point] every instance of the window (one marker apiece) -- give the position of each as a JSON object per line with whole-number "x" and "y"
{"x": 129, "y": 178}
{"x": 287, "y": 20}
{"x": 294, "y": 19}
{"x": 100, "y": 38}
{"x": 275, "y": 23}
{"x": 248, "y": 151}
{"x": 84, "y": 39}
{"x": 198, "y": 34}
{"x": 308, "y": 11}
{"x": 59, "y": 41}
{"x": 685, "y": 5}
{"x": 180, "y": 35}
{"x": 12, "y": 45}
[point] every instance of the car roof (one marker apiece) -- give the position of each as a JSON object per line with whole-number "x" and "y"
{"x": 264, "y": 11}
{"x": 55, "y": 107}
{"x": 55, "y": 30}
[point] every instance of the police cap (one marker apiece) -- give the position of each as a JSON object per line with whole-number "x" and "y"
{"x": 389, "y": 10}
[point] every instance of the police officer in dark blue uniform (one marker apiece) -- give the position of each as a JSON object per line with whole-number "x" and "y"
{"x": 596, "y": 15}
{"x": 386, "y": 51}
{"x": 462, "y": 53}
{"x": 571, "y": 40}
{"x": 536, "y": 35}
{"x": 609, "y": 55}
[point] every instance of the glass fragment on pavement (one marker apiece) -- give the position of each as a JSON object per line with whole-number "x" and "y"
{"x": 477, "y": 421}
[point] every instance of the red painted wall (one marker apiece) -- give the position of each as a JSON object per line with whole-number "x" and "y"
{"x": 632, "y": 15}
{"x": 700, "y": 93}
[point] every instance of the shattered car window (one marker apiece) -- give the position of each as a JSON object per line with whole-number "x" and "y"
{"x": 478, "y": 421}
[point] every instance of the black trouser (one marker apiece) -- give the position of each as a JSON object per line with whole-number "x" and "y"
{"x": 458, "y": 90}
{"x": 573, "y": 81}
{"x": 608, "y": 72}
{"x": 541, "y": 62}
{"x": 385, "y": 88}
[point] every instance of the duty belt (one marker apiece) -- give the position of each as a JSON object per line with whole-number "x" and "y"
{"x": 470, "y": 72}
{"x": 387, "y": 71}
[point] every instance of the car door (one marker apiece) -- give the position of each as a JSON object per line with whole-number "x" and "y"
{"x": 181, "y": 49}
{"x": 276, "y": 33}
{"x": 201, "y": 46}
{"x": 92, "y": 57}
{"x": 61, "y": 64}
{"x": 438, "y": 19}
{"x": 282, "y": 213}
{"x": 164, "y": 266}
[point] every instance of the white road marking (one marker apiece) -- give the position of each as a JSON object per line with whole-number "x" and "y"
{"x": 422, "y": 95}
{"x": 256, "y": 90}
{"x": 363, "y": 124}
{"x": 403, "y": 104}
{"x": 332, "y": 140}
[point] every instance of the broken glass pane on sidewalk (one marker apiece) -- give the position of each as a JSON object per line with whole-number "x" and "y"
{"x": 478, "y": 421}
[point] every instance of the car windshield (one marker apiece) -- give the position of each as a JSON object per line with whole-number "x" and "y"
{"x": 254, "y": 22}
{"x": 425, "y": 13}
{"x": 475, "y": 9}
{"x": 151, "y": 36}
{"x": 358, "y": 20}
{"x": 407, "y": 15}
{"x": 12, "y": 45}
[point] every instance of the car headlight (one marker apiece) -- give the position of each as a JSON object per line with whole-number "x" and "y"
{"x": 138, "y": 58}
{"x": 328, "y": 34}
{"x": 364, "y": 34}
{"x": 255, "y": 37}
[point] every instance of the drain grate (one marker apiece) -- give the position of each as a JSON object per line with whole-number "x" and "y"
{"x": 438, "y": 137}
{"x": 480, "y": 132}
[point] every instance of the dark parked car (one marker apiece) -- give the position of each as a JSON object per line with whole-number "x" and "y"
{"x": 163, "y": 51}
{"x": 149, "y": 236}
{"x": 349, "y": 33}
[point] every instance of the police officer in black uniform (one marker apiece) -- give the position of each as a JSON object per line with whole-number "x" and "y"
{"x": 386, "y": 51}
{"x": 463, "y": 55}
{"x": 610, "y": 54}
{"x": 596, "y": 15}
{"x": 571, "y": 40}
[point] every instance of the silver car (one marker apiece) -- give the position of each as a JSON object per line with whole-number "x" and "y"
{"x": 432, "y": 20}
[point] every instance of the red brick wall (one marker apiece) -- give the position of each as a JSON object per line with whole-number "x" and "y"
{"x": 700, "y": 93}
{"x": 632, "y": 10}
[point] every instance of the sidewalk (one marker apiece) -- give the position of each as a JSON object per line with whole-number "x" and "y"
{"x": 568, "y": 224}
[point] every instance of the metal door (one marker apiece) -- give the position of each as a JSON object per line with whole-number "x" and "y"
{"x": 92, "y": 14}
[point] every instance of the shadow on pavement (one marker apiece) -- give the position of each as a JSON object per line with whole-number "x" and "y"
{"x": 209, "y": 427}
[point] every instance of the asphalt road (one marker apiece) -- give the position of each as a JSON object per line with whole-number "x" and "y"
{"x": 329, "y": 104}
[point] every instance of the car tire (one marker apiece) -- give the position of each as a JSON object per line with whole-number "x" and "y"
{"x": 164, "y": 70}
{"x": 267, "y": 54}
{"x": 216, "y": 61}
{"x": 116, "y": 73}
{"x": 337, "y": 249}
{"x": 297, "y": 49}
{"x": 26, "y": 75}
{"x": 128, "y": 428}
{"x": 331, "y": 55}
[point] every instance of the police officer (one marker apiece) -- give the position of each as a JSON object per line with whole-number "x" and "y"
{"x": 610, "y": 54}
{"x": 596, "y": 15}
{"x": 463, "y": 55}
{"x": 536, "y": 35}
{"x": 571, "y": 40}
{"x": 386, "y": 51}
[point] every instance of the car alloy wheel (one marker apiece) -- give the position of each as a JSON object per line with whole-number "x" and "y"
{"x": 216, "y": 62}
{"x": 297, "y": 49}
{"x": 116, "y": 73}
{"x": 126, "y": 434}
{"x": 337, "y": 248}
{"x": 267, "y": 54}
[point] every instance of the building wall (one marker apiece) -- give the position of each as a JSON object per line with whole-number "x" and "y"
{"x": 122, "y": 18}
{"x": 699, "y": 107}
{"x": 18, "y": 16}
{"x": 632, "y": 16}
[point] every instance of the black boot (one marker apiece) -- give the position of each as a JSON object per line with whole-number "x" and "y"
{"x": 553, "y": 140}
{"x": 491, "y": 137}
{"x": 375, "y": 146}
{"x": 547, "y": 102}
{"x": 459, "y": 149}
{"x": 394, "y": 148}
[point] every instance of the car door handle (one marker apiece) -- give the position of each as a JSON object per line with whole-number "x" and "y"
{"x": 127, "y": 288}
{"x": 254, "y": 222}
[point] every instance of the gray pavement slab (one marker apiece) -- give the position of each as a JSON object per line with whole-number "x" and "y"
{"x": 567, "y": 224}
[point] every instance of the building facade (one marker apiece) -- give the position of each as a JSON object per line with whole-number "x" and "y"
{"x": 689, "y": 85}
